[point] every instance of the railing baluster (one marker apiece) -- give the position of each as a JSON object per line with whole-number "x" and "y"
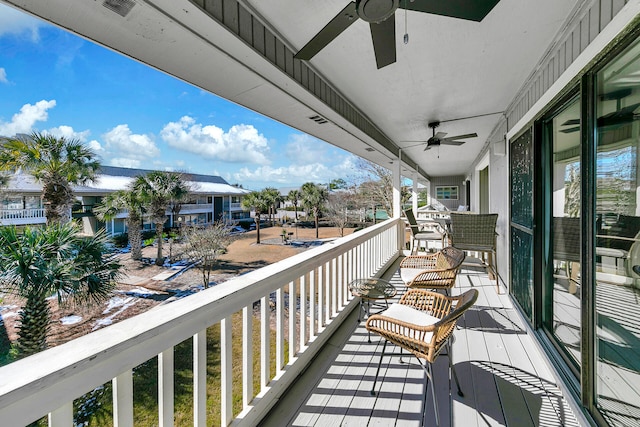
{"x": 303, "y": 313}
{"x": 321, "y": 291}
{"x": 265, "y": 352}
{"x": 62, "y": 417}
{"x": 279, "y": 330}
{"x": 292, "y": 320}
{"x": 247, "y": 355}
{"x": 338, "y": 281}
{"x": 333, "y": 278}
{"x": 226, "y": 372}
{"x": 200, "y": 379}
{"x": 313, "y": 310}
{"x": 123, "y": 399}
{"x": 165, "y": 388}
{"x": 327, "y": 280}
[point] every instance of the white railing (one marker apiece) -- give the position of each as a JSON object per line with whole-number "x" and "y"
{"x": 47, "y": 383}
{"x": 235, "y": 206}
{"x": 200, "y": 207}
{"x": 21, "y": 213}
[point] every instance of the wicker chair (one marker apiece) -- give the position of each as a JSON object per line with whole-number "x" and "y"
{"x": 422, "y": 323}
{"x": 476, "y": 232}
{"x": 418, "y": 235}
{"x": 566, "y": 247}
{"x": 432, "y": 271}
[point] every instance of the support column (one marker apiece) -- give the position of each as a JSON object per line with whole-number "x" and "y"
{"x": 397, "y": 205}
{"x": 414, "y": 193}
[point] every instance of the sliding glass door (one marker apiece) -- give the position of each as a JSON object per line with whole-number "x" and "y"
{"x": 561, "y": 294}
{"x": 617, "y": 287}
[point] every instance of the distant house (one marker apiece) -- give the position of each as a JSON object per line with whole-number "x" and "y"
{"x": 213, "y": 198}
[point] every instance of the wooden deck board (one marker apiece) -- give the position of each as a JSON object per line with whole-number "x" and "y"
{"x": 504, "y": 380}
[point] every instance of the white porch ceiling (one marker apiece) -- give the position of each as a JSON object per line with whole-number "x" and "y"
{"x": 453, "y": 71}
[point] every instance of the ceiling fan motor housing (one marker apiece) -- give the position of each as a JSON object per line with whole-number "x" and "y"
{"x": 376, "y": 10}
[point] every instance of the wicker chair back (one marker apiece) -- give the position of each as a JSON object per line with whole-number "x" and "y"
{"x": 473, "y": 232}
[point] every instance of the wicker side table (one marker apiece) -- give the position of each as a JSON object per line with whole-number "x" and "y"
{"x": 372, "y": 292}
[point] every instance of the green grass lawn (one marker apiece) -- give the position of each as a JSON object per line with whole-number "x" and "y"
{"x": 98, "y": 404}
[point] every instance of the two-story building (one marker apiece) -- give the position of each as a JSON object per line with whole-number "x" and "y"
{"x": 212, "y": 199}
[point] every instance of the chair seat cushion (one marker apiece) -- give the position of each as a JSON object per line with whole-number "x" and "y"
{"x": 428, "y": 235}
{"x": 408, "y": 274}
{"x": 408, "y": 314}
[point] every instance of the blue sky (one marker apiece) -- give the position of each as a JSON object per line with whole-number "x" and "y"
{"x": 134, "y": 116}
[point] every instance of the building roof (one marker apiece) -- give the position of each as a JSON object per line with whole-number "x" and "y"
{"x": 111, "y": 178}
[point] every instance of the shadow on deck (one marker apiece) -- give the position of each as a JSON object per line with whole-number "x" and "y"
{"x": 502, "y": 374}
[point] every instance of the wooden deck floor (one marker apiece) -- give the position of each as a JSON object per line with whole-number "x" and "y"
{"x": 503, "y": 376}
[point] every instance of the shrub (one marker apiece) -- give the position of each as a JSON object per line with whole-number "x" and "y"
{"x": 121, "y": 240}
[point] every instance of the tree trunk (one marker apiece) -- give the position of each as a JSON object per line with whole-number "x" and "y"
{"x": 316, "y": 214}
{"x": 58, "y": 198}
{"x": 257, "y": 229}
{"x": 159, "y": 230}
{"x": 34, "y": 320}
{"x": 135, "y": 240}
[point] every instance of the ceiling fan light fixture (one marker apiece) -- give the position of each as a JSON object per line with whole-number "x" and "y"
{"x": 376, "y": 10}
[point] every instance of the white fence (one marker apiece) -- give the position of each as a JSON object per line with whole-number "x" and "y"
{"x": 47, "y": 383}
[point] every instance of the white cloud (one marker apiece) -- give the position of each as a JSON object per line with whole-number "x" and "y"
{"x": 304, "y": 149}
{"x": 294, "y": 175}
{"x": 242, "y": 143}
{"x": 23, "y": 121}
{"x": 124, "y": 145}
{"x": 15, "y": 22}
{"x": 68, "y": 133}
{"x": 95, "y": 146}
{"x": 3, "y": 76}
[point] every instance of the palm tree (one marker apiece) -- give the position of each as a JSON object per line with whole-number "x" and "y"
{"x": 57, "y": 163}
{"x": 272, "y": 195}
{"x": 313, "y": 198}
{"x": 54, "y": 260}
{"x": 157, "y": 189}
{"x": 130, "y": 201}
{"x": 257, "y": 202}
{"x": 294, "y": 198}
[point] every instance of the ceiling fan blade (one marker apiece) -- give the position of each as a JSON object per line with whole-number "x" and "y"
{"x": 470, "y": 10}
{"x": 383, "y": 35}
{"x": 439, "y": 135}
{"x": 571, "y": 122}
{"x": 621, "y": 117}
{"x": 570, "y": 130}
{"x": 333, "y": 29}
{"x": 450, "y": 142}
{"x": 468, "y": 135}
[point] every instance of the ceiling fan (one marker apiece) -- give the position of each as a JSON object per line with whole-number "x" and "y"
{"x": 439, "y": 138}
{"x": 380, "y": 16}
{"x": 621, "y": 117}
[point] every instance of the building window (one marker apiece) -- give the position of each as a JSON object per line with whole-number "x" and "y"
{"x": 449, "y": 192}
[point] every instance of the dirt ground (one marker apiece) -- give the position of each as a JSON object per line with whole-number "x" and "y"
{"x": 144, "y": 286}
